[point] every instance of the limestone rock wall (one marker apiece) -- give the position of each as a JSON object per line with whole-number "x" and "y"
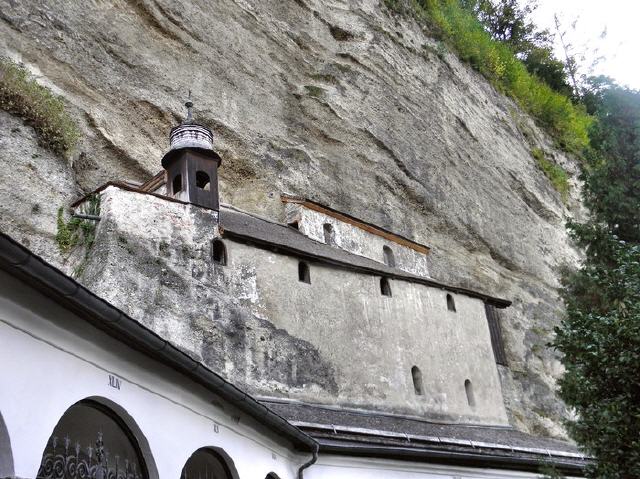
{"x": 334, "y": 100}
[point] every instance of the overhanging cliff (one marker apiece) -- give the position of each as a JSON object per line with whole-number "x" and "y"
{"x": 339, "y": 101}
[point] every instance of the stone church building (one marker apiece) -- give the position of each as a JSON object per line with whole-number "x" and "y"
{"x": 191, "y": 339}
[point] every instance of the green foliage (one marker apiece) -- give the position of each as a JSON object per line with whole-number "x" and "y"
{"x": 554, "y": 172}
{"x": 460, "y": 28}
{"x": 21, "y": 95}
{"x": 600, "y": 340}
{"x": 600, "y": 335}
{"x": 613, "y": 179}
{"x": 77, "y": 231}
{"x": 509, "y": 22}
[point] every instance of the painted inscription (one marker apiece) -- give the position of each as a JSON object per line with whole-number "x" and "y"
{"x": 114, "y": 382}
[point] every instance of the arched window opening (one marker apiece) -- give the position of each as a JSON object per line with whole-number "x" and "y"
{"x": 177, "y": 184}
{"x": 294, "y": 225}
{"x": 303, "y": 272}
{"x": 327, "y": 228}
{"x": 90, "y": 440}
{"x": 219, "y": 252}
{"x": 206, "y": 463}
{"x": 416, "y": 374}
{"x": 385, "y": 287}
{"x": 272, "y": 475}
{"x": 389, "y": 259}
{"x": 202, "y": 181}
{"x": 451, "y": 304}
{"x": 471, "y": 399}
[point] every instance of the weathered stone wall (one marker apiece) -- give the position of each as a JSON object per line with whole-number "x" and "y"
{"x": 338, "y": 101}
{"x": 152, "y": 258}
{"x": 372, "y": 341}
{"x": 336, "y": 340}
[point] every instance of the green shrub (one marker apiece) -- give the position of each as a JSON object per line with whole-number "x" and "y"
{"x": 78, "y": 231}
{"x": 21, "y": 95}
{"x": 314, "y": 91}
{"x": 447, "y": 20}
{"x": 556, "y": 174}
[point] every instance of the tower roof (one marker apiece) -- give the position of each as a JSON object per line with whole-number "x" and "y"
{"x": 190, "y": 134}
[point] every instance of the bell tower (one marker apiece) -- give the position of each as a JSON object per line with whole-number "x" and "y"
{"x": 192, "y": 164}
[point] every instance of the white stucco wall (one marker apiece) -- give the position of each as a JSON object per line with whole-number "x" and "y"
{"x": 341, "y": 467}
{"x": 46, "y": 367}
{"x": 355, "y": 240}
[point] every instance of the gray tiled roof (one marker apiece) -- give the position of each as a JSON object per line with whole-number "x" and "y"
{"x": 333, "y": 426}
{"x": 245, "y": 227}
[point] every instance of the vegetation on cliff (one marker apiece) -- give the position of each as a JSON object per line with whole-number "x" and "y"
{"x": 600, "y": 121}
{"x": 600, "y": 335}
{"x": 555, "y": 173}
{"x": 459, "y": 25}
{"x": 20, "y": 94}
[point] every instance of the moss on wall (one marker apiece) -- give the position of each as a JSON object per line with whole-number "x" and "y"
{"x": 557, "y": 175}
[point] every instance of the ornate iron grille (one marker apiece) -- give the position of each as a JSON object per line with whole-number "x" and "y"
{"x": 62, "y": 461}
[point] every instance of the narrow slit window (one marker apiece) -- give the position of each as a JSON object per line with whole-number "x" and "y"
{"x": 203, "y": 181}
{"x": 303, "y": 272}
{"x": 385, "y": 287}
{"x": 389, "y": 259}
{"x": 327, "y": 229}
{"x": 177, "y": 184}
{"x": 471, "y": 398}
{"x": 451, "y": 304}
{"x": 416, "y": 375}
{"x": 219, "y": 252}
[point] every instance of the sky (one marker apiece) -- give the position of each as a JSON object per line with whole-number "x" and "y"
{"x": 620, "y": 47}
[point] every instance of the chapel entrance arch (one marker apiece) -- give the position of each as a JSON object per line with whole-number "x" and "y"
{"x": 91, "y": 441}
{"x": 209, "y": 463}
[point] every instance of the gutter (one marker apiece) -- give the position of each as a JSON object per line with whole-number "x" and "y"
{"x": 310, "y": 462}
{"x": 33, "y": 270}
{"x": 438, "y": 440}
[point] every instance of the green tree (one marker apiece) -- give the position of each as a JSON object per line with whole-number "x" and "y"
{"x": 600, "y": 335}
{"x": 612, "y": 190}
{"x": 508, "y": 21}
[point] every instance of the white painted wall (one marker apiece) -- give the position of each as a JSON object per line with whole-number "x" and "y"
{"x": 50, "y": 359}
{"x": 342, "y": 467}
{"x": 46, "y": 366}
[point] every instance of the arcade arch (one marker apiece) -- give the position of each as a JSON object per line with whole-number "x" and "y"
{"x": 96, "y": 438}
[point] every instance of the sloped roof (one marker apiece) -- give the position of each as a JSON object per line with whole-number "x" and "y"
{"x": 337, "y": 428}
{"x": 242, "y": 226}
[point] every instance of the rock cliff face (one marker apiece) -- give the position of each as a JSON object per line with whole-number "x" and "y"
{"x": 334, "y": 100}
